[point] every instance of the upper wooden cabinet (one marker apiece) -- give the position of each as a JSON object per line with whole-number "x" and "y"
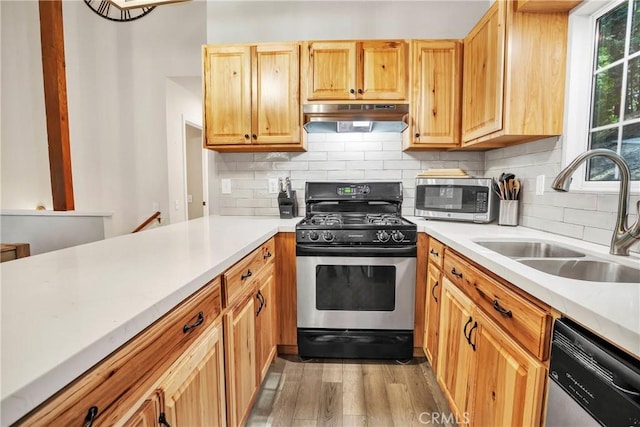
{"x": 355, "y": 70}
{"x": 252, "y": 97}
{"x": 513, "y": 77}
{"x": 544, "y": 6}
{"x": 436, "y": 94}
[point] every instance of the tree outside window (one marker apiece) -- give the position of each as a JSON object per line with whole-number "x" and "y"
{"x": 615, "y": 115}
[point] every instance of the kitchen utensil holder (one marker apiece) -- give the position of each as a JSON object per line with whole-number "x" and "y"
{"x": 508, "y": 214}
{"x": 288, "y": 205}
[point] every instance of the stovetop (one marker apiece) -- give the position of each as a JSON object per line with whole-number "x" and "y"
{"x": 355, "y": 214}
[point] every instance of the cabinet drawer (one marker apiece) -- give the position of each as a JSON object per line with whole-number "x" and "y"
{"x": 242, "y": 273}
{"x": 436, "y": 252}
{"x": 124, "y": 377}
{"x": 457, "y": 269}
{"x": 525, "y": 321}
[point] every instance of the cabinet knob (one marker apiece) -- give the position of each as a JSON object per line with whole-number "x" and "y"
{"x": 254, "y": 136}
{"x": 360, "y": 91}
{"x": 417, "y": 135}
{"x": 246, "y": 136}
{"x": 352, "y": 91}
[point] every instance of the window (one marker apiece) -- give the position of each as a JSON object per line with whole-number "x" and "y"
{"x": 603, "y": 109}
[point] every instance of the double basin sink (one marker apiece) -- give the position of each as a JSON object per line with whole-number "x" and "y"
{"x": 558, "y": 260}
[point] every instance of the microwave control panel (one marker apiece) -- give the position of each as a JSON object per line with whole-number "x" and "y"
{"x": 482, "y": 201}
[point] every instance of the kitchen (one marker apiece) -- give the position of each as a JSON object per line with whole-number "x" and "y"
{"x": 332, "y": 157}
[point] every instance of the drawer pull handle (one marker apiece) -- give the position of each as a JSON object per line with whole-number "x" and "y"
{"x": 260, "y": 299}
{"x": 245, "y": 276}
{"x": 455, "y": 273}
{"x": 162, "y": 420}
{"x": 473, "y": 345}
{"x": 466, "y": 325}
{"x": 434, "y": 253}
{"x": 501, "y": 310}
{"x": 91, "y": 416}
{"x": 433, "y": 291}
{"x": 267, "y": 255}
{"x": 186, "y": 328}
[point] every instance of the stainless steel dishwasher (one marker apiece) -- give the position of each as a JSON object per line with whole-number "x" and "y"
{"x": 592, "y": 382}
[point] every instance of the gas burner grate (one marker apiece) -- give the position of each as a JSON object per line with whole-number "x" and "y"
{"x": 326, "y": 219}
{"x": 383, "y": 219}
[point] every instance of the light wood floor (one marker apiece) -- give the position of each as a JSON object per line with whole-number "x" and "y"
{"x": 335, "y": 392}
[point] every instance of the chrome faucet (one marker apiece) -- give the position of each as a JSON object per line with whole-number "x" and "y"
{"x": 623, "y": 237}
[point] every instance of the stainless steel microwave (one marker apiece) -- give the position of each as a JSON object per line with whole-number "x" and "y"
{"x": 456, "y": 199}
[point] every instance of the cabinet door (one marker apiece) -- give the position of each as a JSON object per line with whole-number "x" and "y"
{"x": 194, "y": 394}
{"x": 265, "y": 308}
{"x": 437, "y": 72}
{"x": 432, "y": 314}
{"x": 483, "y": 75}
{"x": 382, "y": 70}
{"x": 455, "y": 354}
{"x": 276, "y": 94}
{"x": 240, "y": 359}
{"x": 147, "y": 415}
{"x": 227, "y": 95}
{"x": 508, "y": 383}
{"x": 331, "y": 72}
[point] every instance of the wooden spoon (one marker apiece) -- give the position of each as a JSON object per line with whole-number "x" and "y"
{"x": 516, "y": 189}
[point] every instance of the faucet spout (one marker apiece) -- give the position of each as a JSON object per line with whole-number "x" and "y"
{"x": 623, "y": 236}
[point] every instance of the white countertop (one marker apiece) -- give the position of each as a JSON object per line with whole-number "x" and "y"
{"x": 609, "y": 309}
{"x": 64, "y": 311}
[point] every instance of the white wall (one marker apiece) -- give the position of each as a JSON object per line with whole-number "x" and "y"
{"x": 252, "y": 21}
{"x": 116, "y": 77}
{"x": 182, "y": 106}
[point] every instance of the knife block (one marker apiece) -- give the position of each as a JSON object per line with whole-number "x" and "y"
{"x": 288, "y": 205}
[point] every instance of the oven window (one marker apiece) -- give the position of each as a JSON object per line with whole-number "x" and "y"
{"x": 356, "y": 287}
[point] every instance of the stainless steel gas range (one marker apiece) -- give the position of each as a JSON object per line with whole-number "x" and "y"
{"x": 356, "y": 259}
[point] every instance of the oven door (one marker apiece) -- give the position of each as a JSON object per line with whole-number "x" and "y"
{"x": 356, "y": 288}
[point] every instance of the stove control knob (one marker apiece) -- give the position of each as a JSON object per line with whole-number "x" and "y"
{"x": 397, "y": 236}
{"x": 328, "y": 236}
{"x": 383, "y": 236}
{"x": 313, "y": 235}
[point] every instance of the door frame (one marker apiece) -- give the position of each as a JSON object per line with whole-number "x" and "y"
{"x": 205, "y": 170}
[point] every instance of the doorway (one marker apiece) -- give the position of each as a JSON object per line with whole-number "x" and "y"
{"x": 196, "y": 173}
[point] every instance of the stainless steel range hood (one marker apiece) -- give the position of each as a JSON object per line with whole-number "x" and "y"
{"x": 332, "y": 118}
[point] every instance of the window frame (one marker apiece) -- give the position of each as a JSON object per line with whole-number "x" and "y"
{"x": 578, "y": 93}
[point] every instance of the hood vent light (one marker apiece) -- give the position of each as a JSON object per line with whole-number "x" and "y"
{"x": 343, "y": 118}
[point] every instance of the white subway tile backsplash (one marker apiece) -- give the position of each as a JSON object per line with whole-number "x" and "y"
{"x": 325, "y": 146}
{"x": 383, "y": 174}
{"x": 344, "y": 175}
{"x": 402, "y": 164}
{"x": 328, "y": 165}
{"x": 346, "y": 155}
{"x": 594, "y": 219}
{"x": 365, "y": 164}
{"x": 363, "y": 146}
{"x": 383, "y": 155}
{"x": 357, "y": 157}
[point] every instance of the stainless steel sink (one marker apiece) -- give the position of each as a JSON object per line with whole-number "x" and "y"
{"x": 519, "y": 249}
{"x": 586, "y": 269}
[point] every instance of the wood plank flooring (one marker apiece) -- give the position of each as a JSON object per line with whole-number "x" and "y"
{"x": 336, "y": 392}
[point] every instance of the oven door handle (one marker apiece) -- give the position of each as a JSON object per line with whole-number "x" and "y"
{"x": 356, "y": 251}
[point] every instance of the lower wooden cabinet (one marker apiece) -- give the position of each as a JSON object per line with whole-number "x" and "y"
{"x": 193, "y": 391}
{"x": 240, "y": 355}
{"x": 432, "y": 314}
{"x": 486, "y": 376}
{"x": 266, "y": 326}
{"x": 508, "y": 383}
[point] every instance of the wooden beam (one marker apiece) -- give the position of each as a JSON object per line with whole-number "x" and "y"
{"x": 55, "y": 100}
